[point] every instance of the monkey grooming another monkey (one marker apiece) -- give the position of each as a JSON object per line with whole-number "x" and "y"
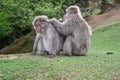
{"x": 76, "y": 29}
{"x": 47, "y": 38}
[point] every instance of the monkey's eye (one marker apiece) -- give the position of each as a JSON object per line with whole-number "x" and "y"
{"x": 43, "y": 20}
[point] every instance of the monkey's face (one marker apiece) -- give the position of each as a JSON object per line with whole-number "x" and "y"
{"x": 43, "y": 21}
{"x": 71, "y": 11}
{"x": 40, "y": 22}
{"x": 37, "y": 26}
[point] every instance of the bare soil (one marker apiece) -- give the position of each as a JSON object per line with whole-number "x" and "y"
{"x": 107, "y": 18}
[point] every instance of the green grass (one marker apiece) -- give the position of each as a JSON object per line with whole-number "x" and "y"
{"x": 96, "y": 66}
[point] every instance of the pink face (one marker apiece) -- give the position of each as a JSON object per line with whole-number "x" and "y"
{"x": 37, "y": 26}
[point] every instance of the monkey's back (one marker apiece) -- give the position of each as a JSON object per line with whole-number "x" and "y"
{"x": 52, "y": 41}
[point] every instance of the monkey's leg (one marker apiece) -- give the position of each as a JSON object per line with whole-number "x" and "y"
{"x": 40, "y": 48}
{"x": 52, "y": 54}
{"x": 85, "y": 48}
{"x": 67, "y": 47}
{"x": 48, "y": 47}
{"x": 82, "y": 50}
{"x": 52, "y": 48}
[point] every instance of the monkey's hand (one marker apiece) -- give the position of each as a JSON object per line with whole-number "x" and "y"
{"x": 33, "y": 52}
{"x": 52, "y": 20}
{"x": 55, "y": 23}
{"x": 60, "y": 20}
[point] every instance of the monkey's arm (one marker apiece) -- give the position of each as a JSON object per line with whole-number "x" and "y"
{"x": 61, "y": 27}
{"x": 55, "y": 22}
{"x": 38, "y": 37}
{"x": 90, "y": 30}
{"x": 60, "y": 20}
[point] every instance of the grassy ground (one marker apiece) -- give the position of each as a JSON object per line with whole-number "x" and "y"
{"x": 96, "y": 66}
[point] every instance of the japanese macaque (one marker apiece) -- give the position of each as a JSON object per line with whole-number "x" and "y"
{"x": 76, "y": 29}
{"x": 47, "y": 38}
{"x": 37, "y": 27}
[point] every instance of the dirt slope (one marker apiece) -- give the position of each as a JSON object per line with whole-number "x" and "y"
{"x": 106, "y": 18}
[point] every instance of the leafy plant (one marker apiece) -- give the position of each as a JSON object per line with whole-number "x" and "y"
{"x": 5, "y": 26}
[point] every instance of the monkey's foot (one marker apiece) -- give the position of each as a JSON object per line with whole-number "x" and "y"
{"x": 44, "y": 53}
{"x": 61, "y": 53}
{"x": 64, "y": 53}
{"x": 33, "y": 53}
{"x": 68, "y": 54}
{"x": 51, "y": 55}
